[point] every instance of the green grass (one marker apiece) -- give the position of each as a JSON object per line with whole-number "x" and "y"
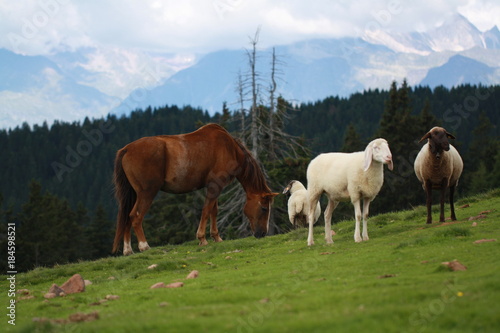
{"x": 393, "y": 283}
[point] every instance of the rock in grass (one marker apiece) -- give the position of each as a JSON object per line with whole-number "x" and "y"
{"x": 112, "y": 297}
{"x": 193, "y": 275}
{"x": 454, "y": 265}
{"x": 79, "y": 317}
{"x": 56, "y": 290}
{"x": 153, "y": 266}
{"x": 75, "y": 284}
{"x": 385, "y": 276}
{"x": 158, "y": 285}
{"x": 163, "y": 285}
{"x": 175, "y": 285}
{"x": 479, "y": 241}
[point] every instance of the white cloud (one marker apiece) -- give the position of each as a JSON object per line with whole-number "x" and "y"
{"x": 199, "y": 26}
{"x": 483, "y": 14}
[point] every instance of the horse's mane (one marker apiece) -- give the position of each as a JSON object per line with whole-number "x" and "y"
{"x": 251, "y": 173}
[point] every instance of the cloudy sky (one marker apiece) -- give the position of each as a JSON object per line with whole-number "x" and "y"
{"x": 46, "y": 26}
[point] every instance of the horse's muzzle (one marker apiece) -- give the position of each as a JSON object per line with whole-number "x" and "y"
{"x": 259, "y": 233}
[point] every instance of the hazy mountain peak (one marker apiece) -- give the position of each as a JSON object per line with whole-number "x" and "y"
{"x": 96, "y": 80}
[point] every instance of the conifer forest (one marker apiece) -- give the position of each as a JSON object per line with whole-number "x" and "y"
{"x": 56, "y": 180}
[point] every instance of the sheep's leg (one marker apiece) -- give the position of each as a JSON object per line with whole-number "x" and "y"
{"x": 313, "y": 201}
{"x": 357, "y": 214}
{"x": 452, "y": 206}
{"x": 328, "y": 220}
{"x": 428, "y": 191}
{"x": 441, "y": 203}
{"x": 366, "y": 208}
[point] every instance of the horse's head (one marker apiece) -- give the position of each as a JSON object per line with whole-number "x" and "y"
{"x": 257, "y": 209}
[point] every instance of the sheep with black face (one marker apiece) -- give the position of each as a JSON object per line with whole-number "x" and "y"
{"x": 438, "y": 166}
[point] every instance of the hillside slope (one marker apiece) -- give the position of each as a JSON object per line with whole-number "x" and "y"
{"x": 395, "y": 282}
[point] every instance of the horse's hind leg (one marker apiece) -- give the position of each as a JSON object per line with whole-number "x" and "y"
{"x": 214, "y": 232}
{"x": 142, "y": 204}
{"x": 127, "y": 244}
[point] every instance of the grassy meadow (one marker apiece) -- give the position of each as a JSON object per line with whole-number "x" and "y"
{"x": 393, "y": 283}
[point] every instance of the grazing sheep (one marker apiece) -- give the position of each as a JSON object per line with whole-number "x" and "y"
{"x": 438, "y": 166}
{"x": 298, "y": 204}
{"x": 343, "y": 176}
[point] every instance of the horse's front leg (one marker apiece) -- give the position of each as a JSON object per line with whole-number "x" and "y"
{"x": 208, "y": 207}
{"x": 214, "y": 232}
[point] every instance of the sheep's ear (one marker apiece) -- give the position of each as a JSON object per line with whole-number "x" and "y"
{"x": 368, "y": 157}
{"x": 390, "y": 165}
{"x": 288, "y": 187}
{"x": 426, "y": 136}
{"x": 450, "y": 136}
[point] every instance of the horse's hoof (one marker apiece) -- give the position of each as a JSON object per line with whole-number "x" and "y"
{"x": 203, "y": 242}
{"x": 217, "y": 239}
{"x": 143, "y": 246}
{"x": 127, "y": 253}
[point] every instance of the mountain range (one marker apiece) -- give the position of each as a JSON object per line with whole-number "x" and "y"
{"x": 92, "y": 82}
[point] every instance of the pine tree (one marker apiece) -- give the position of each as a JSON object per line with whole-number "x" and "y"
{"x": 426, "y": 119}
{"x": 352, "y": 141}
{"x": 484, "y": 150}
{"x": 398, "y": 128}
{"x": 99, "y": 235}
{"x": 33, "y": 230}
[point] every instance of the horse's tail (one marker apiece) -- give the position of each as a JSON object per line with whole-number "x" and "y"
{"x": 126, "y": 197}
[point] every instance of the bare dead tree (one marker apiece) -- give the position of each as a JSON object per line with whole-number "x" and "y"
{"x": 272, "y": 91}
{"x": 254, "y": 110}
{"x": 266, "y": 127}
{"x": 240, "y": 89}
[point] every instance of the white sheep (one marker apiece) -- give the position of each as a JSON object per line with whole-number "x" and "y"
{"x": 438, "y": 166}
{"x": 298, "y": 204}
{"x": 344, "y": 176}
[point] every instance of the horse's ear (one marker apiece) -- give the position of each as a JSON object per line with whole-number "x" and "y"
{"x": 269, "y": 196}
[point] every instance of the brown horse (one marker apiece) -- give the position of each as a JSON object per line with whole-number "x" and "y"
{"x": 209, "y": 157}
